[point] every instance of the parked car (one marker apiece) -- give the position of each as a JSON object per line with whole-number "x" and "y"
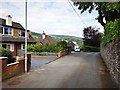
{"x": 77, "y": 48}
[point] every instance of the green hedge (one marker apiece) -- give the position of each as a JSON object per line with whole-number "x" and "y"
{"x": 7, "y": 53}
{"x": 90, "y": 49}
{"x": 44, "y": 48}
{"x": 112, "y": 31}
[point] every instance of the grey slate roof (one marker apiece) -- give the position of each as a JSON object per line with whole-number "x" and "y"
{"x": 14, "y": 24}
{"x": 13, "y": 39}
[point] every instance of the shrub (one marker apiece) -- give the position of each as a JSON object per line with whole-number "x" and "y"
{"x": 90, "y": 49}
{"x": 7, "y": 53}
{"x": 44, "y": 48}
{"x": 112, "y": 30}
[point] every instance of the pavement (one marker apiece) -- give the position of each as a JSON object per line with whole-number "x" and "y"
{"x": 77, "y": 70}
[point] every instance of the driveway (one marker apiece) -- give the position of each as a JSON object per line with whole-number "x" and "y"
{"x": 37, "y": 62}
{"x": 78, "y": 70}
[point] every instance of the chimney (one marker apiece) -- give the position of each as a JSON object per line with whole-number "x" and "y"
{"x": 43, "y": 35}
{"x": 9, "y": 20}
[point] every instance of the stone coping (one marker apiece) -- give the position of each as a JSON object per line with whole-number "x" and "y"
{"x": 12, "y": 63}
{"x": 3, "y": 58}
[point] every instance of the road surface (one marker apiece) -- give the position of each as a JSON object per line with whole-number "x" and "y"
{"x": 37, "y": 62}
{"x": 78, "y": 70}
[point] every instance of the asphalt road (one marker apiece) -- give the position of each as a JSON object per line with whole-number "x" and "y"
{"x": 37, "y": 62}
{"x": 78, "y": 70}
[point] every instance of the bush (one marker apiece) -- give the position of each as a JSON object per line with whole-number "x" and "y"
{"x": 44, "y": 48}
{"x": 112, "y": 31}
{"x": 7, "y": 53}
{"x": 90, "y": 49}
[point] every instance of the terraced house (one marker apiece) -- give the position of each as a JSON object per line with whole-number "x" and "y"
{"x": 13, "y": 35}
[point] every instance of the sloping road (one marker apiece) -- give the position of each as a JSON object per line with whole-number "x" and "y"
{"x": 37, "y": 62}
{"x": 78, "y": 70}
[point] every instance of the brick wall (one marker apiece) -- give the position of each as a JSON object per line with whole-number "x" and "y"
{"x": 62, "y": 53}
{"x": 111, "y": 56}
{"x": 13, "y": 69}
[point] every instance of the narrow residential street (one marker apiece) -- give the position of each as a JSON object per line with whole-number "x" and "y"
{"x": 77, "y": 70}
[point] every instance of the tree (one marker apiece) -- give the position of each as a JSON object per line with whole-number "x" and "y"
{"x": 92, "y": 36}
{"x": 110, "y": 11}
{"x": 63, "y": 44}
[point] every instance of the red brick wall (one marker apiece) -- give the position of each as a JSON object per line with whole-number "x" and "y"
{"x": 62, "y": 53}
{"x": 14, "y": 69}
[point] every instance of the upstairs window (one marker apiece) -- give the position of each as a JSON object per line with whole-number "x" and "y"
{"x": 8, "y": 31}
{"x": 21, "y": 33}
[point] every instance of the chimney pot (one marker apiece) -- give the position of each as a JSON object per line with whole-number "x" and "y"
{"x": 9, "y": 20}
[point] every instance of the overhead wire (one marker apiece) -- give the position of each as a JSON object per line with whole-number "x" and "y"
{"x": 76, "y": 12}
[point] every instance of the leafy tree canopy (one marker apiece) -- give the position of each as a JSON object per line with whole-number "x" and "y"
{"x": 110, "y": 11}
{"x": 92, "y": 36}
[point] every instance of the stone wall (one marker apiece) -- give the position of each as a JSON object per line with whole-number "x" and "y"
{"x": 111, "y": 56}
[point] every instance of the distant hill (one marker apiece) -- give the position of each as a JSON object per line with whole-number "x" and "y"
{"x": 65, "y": 37}
{"x": 35, "y": 34}
{"x": 58, "y": 37}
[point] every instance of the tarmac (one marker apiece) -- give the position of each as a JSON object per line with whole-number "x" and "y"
{"x": 77, "y": 70}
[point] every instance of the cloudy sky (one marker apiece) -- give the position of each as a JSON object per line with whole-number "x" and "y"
{"x": 50, "y": 16}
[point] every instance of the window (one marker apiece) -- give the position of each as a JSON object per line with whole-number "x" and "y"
{"x": 8, "y": 31}
{"x": 8, "y": 46}
{"x": 21, "y": 33}
{"x": 22, "y": 46}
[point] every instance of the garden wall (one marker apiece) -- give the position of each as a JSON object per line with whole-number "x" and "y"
{"x": 111, "y": 56}
{"x": 13, "y": 69}
{"x": 62, "y": 53}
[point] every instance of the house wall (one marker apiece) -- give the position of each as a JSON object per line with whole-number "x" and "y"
{"x": 15, "y": 32}
{"x": 28, "y": 34}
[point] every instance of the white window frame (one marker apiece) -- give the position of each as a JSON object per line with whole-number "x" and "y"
{"x": 11, "y": 46}
{"x": 7, "y": 34}
{"x": 19, "y": 33}
{"x": 22, "y": 46}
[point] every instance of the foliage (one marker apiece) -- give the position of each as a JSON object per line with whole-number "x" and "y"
{"x": 63, "y": 44}
{"x": 7, "y": 53}
{"x": 92, "y": 36}
{"x": 44, "y": 48}
{"x": 90, "y": 49}
{"x": 108, "y": 10}
{"x": 112, "y": 30}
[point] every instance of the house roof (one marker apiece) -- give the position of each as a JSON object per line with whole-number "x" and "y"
{"x": 13, "y": 39}
{"x": 70, "y": 44}
{"x": 14, "y": 24}
{"x": 48, "y": 39}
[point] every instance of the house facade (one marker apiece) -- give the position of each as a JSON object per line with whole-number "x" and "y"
{"x": 12, "y": 35}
